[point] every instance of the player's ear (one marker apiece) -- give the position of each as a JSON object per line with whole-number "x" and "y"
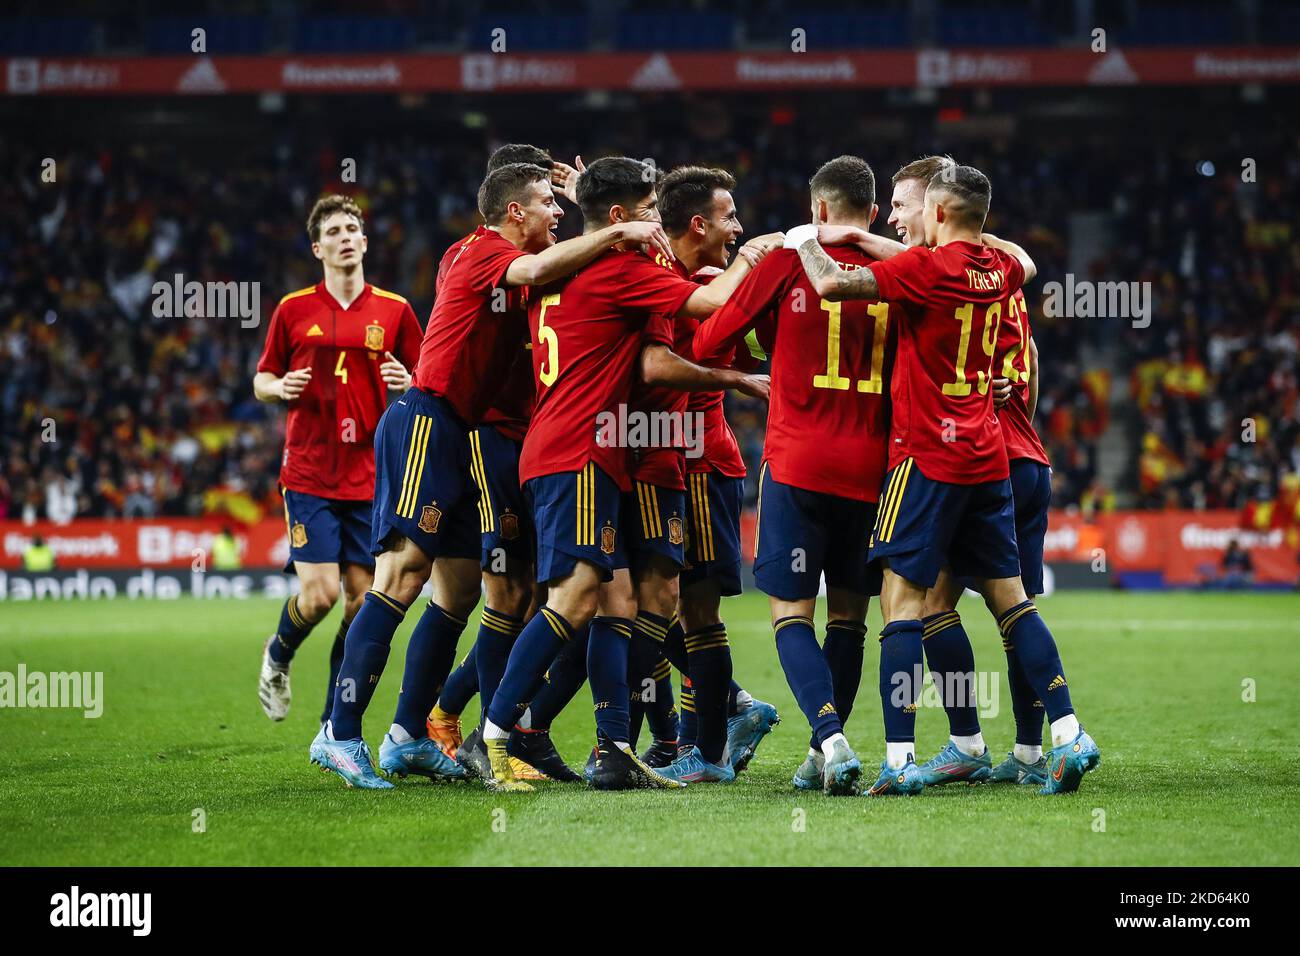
{"x": 699, "y": 225}
{"x": 872, "y": 218}
{"x": 315, "y": 250}
{"x": 617, "y": 213}
{"x": 823, "y": 213}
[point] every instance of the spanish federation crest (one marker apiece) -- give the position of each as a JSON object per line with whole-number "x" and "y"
{"x": 374, "y": 337}
{"x": 675, "y": 535}
{"x": 509, "y": 523}
{"x": 298, "y": 535}
{"x": 607, "y": 539}
{"x": 429, "y": 519}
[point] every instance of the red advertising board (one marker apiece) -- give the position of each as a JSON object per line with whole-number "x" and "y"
{"x": 203, "y": 74}
{"x": 141, "y": 543}
{"x": 1185, "y": 547}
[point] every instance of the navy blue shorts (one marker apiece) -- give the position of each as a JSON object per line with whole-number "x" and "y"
{"x": 803, "y": 534}
{"x": 925, "y": 525}
{"x": 1031, "y": 486}
{"x": 654, "y": 522}
{"x": 505, "y": 522}
{"x": 423, "y": 487}
{"x": 575, "y": 514}
{"x": 327, "y": 531}
{"x": 713, "y": 530}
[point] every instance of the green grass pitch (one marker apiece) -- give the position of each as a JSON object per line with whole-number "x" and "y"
{"x": 1191, "y": 773}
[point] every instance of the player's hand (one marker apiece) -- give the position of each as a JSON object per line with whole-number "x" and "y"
{"x": 1001, "y": 391}
{"x": 757, "y": 248}
{"x": 650, "y": 234}
{"x": 293, "y": 383}
{"x": 564, "y": 178}
{"x": 394, "y": 374}
{"x": 839, "y": 235}
{"x": 758, "y": 386}
{"x": 707, "y": 271}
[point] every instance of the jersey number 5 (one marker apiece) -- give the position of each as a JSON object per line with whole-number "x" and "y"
{"x": 833, "y": 379}
{"x": 550, "y": 367}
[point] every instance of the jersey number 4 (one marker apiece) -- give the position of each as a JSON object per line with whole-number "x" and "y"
{"x": 833, "y": 379}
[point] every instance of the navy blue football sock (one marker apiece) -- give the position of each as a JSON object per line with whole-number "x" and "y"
{"x": 429, "y": 656}
{"x": 462, "y": 685}
{"x": 661, "y": 712}
{"x": 563, "y": 680}
{"x": 901, "y": 678}
{"x": 687, "y": 724}
{"x": 370, "y": 637}
{"x": 336, "y": 661}
{"x": 607, "y": 653}
{"x": 647, "y": 663}
{"x": 497, "y": 634}
{"x": 710, "y": 660}
{"x": 952, "y": 665}
{"x": 1039, "y": 660}
{"x": 675, "y": 646}
{"x": 534, "y": 650}
{"x": 1025, "y": 705}
{"x": 844, "y": 649}
{"x": 808, "y": 674}
{"x": 290, "y": 633}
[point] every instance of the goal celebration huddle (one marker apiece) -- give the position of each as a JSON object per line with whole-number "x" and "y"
{"x": 900, "y": 463}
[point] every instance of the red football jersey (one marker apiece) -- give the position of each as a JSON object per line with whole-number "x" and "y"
{"x": 721, "y": 450}
{"x": 955, "y": 297}
{"x": 663, "y": 464}
{"x": 330, "y": 429}
{"x": 475, "y": 328}
{"x": 512, "y": 404}
{"x": 827, "y": 423}
{"x": 1012, "y": 362}
{"x": 587, "y": 332}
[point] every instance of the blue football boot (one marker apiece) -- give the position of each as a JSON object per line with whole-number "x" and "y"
{"x": 350, "y": 759}
{"x": 841, "y": 772}
{"x": 420, "y": 756}
{"x": 903, "y": 782}
{"x": 746, "y": 730}
{"x": 950, "y": 765}
{"x": 809, "y": 774}
{"x": 693, "y": 768}
{"x": 1067, "y": 763}
{"x": 1013, "y": 770}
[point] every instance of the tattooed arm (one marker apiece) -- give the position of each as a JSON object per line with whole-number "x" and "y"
{"x": 828, "y": 280}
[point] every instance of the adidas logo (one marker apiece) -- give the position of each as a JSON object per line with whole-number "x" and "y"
{"x": 656, "y": 73}
{"x": 1057, "y": 683}
{"x": 1112, "y": 69}
{"x": 314, "y": 330}
{"x": 202, "y": 77}
{"x": 826, "y": 709}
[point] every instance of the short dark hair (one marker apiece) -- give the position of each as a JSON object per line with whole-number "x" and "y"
{"x": 507, "y": 184}
{"x": 687, "y": 192}
{"x": 846, "y": 182}
{"x": 924, "y": 169}
{"x": 512, "y": 153}
{"x": 327, "y": 206}
{"x": 613, "y": 181}
{"x": 970, "y": 192}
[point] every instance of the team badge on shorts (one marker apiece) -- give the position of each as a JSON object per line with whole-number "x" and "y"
{"x": 607, "y": 539}
{"x": 509, "y": 524}
{"x": 429, "y": 519}
{"x": 374, "y": 337}
{"x": 675, "y": 535}
{"x": 298, "y": 535}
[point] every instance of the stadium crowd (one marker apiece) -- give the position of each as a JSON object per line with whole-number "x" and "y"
{"x": 108, "y": 410}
